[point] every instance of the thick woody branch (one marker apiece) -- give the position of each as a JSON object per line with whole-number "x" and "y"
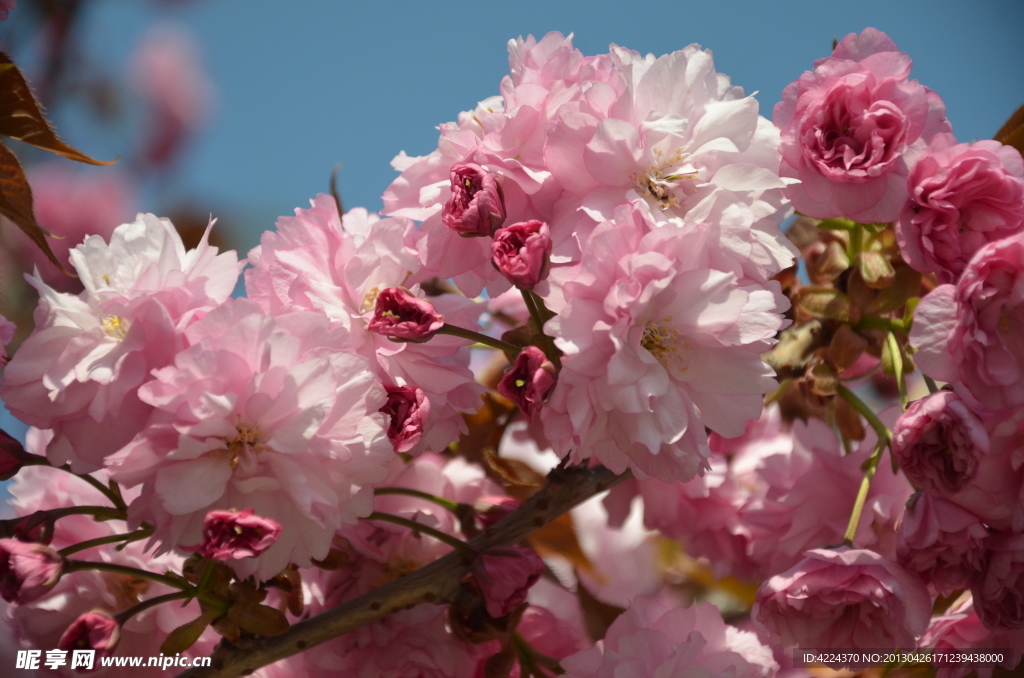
{"x": 435, "y": 583}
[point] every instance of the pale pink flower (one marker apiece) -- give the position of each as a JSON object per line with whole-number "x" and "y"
{"x": 261, "y": 412}
{"x": 522, "y": 253}
{"x": 92, "y": 631}
{"x": 847, "y": 598}
{"x": 529, "y": 381}
{"x": 938, "y": 443}
{"x": 968, "y": 334}
{"x": 168, "y": 75}
{"x": 504, "y": 576}
{"x": 941, "y": 542}
{"x": 476, "y": 206}
{"x": 402, "y": 316}
{"x": 960, "y": 630}
{"x": 652, "y": 639}
{"x": 409, "y": 410}
{"x": 852, "y": 127}
{"x": 657, "y": 346}
{"x": 962, "y": 196}
{"x": 42, "y": 623}
{"x": 236, "y": 534}
{"x": 79, "y": 371}
{"x": 71, "y": 203}
{"x": 318, "y": 261}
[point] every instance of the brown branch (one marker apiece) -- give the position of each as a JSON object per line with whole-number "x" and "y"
{"x": 434, "y": 583}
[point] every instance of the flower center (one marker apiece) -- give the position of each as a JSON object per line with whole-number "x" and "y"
{"x": 115, "y": 326}
{"x": 664, "y": 342}
{"x": 369, "y": 300}
{"x": 247, "y": 440}
{"x": 661, "y": 180}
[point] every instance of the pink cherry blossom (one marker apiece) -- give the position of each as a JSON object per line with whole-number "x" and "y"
{"x": 27, "y": 570}
{"x": 402, "y": 316}
{"x": 505, "y": 576}
{"x": 318, "y": 261}
{"x": 529, "y": 381}
{"x": 409, "y": 410}
{"x": 852, "y": 127}
{"x": 257, "y": 402}
{"x": 963, "y": 196}
{"x": 92, "y": 631}
{"x": 968, "y": 334}
{"x": 477, "y": 205}
{"x": 938, "y": 443}
{"x": 960, "y": 630}
{"x": 7, "y": 330}
{"x": 941, "y": 542}
{"x": 522, "y": 253}
{"x": 651, "y": 639}
{"x": 847, "y": 598}
{"x": 999, "y": 590}
{"x": 79, "y": 371}
{"x": 657, "y": 347}
{"x": 42, "y": 623}
{"x": 236, "y": 534}
{"x": 5, "y": 8}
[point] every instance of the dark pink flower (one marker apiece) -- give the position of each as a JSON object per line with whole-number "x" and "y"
{"x": 36, "y": 527}
{"x": 847, "y": 598}
{"x": 504, "y": 576}
{"x": 408, "y": 408}
{"x": 848, "y": 126}
{"x": 529, "y": 381}
{"x": 962, "y": 196}
{"x": 490, "y": 510}
{"x": 477, "y": 205}
{"x": 5, "y": 8}
{"x": 94, "y": 630}
{"x": 403, "y": 317}
{"x": 11, "y": 456}
{"x": 27, "y": 571}
{"x": 236, "y": 534}
{"x": 999, "y": 591}
{"x": 938, "y": 443}
{"x": 522, "y": 252}
{"x": 941, "y": 542}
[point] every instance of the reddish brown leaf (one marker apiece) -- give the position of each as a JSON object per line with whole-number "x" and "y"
{"x": 558, "y": 538}
{"x": 22, "y": 119}
{"x": 1011, "y": 126}
{"x": 597, "y": 615}
{"x": 16, "y": 203}
{"x": 186, "y": 635}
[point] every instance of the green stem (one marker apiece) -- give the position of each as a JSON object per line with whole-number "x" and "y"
{"x": 862, "y": 493}
{"x": 532, "y": 303}
{"x": 127, "y": 538}
{"x": 83, "y": 565}
{"x": 455, "y": 543}
{"x": 124, "y": 615}
{"x": 883, "y": 432}
{"x": 100, "y": 513}
{"x": 885, "y": 324}
{"x": 930, "y": 383}
{"x": 856, "y": 241}
{"x": 456, "y": 331}
{"x": 440, "y": 501}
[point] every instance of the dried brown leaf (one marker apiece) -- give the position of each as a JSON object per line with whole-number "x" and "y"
{"x": 1012, "y": 131}
{"x": 21, "y": 117}
{"x": 558, "y": 538}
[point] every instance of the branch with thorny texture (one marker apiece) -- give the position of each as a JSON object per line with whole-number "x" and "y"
{"x": 435, "y": 583}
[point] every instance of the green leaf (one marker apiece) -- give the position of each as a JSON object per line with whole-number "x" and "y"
{"x": 186, "y": 635}
{"x": 892, "y": 364}
{"x": 259, "y": 619}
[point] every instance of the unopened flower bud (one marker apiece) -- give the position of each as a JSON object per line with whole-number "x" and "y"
{"x": 27, "y": 571}
{"x": 492, "y": 509}
{"x": 504, "y": 576}
{"x": 521, "y": 252}
{"x": 477, "y": 205}
{"x": 95, "y": 630}
{"x": 845, "y": 348}
{"x": 408, "y": 408}
{"x": 529, "y": 381}
{"x": 236, "y": 534}
{"x": 36, "y": 527}
{"x": 401, "y": 316}
{"x": 12, "y": 455}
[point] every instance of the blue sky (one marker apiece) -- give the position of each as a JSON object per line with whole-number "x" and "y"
{"x": 303, "y": 85}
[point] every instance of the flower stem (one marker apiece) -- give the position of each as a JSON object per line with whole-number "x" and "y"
{"x": 454, "y": 542}
{"x": 533, "y": 304}
{"x": 124, "y": 615}
{"x": 127, "y": 538}
{"x": 456, "y": 331}
{"x": 100, "y": 513}
{"x": 883, "y": 432}
{"x": 862, "y": 492}
{"x": 887, "y": 324}
{"x": 440, "y": 501}
{"x": 82, "y": 565}
{"x": 930, "y": 383}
